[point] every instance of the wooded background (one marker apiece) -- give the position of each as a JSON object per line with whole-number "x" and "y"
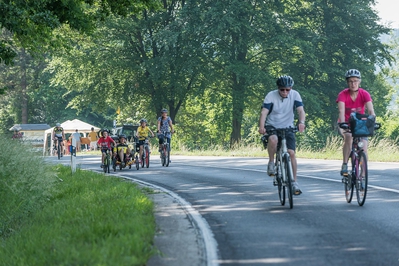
{"x": 209, "y": 62}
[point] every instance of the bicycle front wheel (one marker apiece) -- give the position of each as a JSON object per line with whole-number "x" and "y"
{"x": 348, "y": 185}
{"x": 137, "y": 162}
{"x": 163, "y": 155}
{"x": 289, "y": 177}
{"x": 105, "y": 166}
{"x": 280, "y": 185}
{"x": 167, "y": 156}
{"x": 147, "y": 157}
{"x": 59, "y": 150}
{"x": 361, "y": 178}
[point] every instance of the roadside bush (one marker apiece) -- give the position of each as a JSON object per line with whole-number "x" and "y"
{"x": 26, "y": 183}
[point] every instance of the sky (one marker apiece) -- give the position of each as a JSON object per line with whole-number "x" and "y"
{"x": 387, "y": 10}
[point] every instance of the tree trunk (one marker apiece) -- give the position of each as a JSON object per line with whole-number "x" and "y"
{"x": 24, "y": 85}
{"x": 238, "y": 110}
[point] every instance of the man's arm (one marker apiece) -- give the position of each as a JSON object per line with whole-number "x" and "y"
{"x": 262, "y": 119}
{"x": 301, "y": 118}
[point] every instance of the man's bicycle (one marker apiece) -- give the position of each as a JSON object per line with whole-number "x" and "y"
{"x": 58, "y": 147}
{"x": 358, "y": 176}
{"x": 284, "y": 176}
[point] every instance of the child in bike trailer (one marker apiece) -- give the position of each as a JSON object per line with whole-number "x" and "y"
{"x": 122, "y": 151}
{"x": 105, "y": 143}
{"x": 142, "y": 133}
{"x": 58, "y": 135}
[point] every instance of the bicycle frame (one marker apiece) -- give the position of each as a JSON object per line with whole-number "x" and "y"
{"x": 284, "y": 172}
{"x": 358, "y": 176}
{"x": 58, "y": 146}
{"x": 165, "y": 151}
{"x": 107, "y": 161}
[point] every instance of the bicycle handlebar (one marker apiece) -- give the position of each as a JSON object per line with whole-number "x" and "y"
{"x": 345, "y": 126}
{"x": 279, "y": 130}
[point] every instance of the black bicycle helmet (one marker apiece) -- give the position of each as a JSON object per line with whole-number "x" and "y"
{"x": 105, "y": 130}
{"x": 122, "y": 136}
{"x": 143, "y": 120}
{"x": 285, "y": 81}
{"x": 164, "y": 110}
{"x": 353, "y": 73}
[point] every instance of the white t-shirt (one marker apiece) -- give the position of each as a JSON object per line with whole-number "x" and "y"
{"x": 76, "y": 136}
{"x": 281, "y": 110}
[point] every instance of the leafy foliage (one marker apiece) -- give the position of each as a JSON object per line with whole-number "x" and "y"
{"x": 210, "y": 63}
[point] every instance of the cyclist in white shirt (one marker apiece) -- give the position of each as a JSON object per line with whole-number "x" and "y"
{"x": 278, "y": 112}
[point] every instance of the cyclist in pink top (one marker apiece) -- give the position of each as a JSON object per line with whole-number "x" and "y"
{"x": 352, "y": 99}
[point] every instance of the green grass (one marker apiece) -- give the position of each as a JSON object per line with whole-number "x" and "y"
{"x": 380, "y": 150}
{"x": 50, "y": 217}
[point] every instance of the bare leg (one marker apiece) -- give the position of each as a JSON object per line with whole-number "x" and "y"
{"x": 293, "y": 163}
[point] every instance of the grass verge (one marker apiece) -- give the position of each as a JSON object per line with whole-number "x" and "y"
{"x": 50, "y": 217}
{"x": 380, "y": 150}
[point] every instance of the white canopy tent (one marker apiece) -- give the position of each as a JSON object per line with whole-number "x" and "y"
{"x": 69, "y": 126}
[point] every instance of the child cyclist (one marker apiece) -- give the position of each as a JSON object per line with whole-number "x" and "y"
{"x": 142, "y": 133}
{"x": 105, "y": 144}
{"x": 122, "y": 150}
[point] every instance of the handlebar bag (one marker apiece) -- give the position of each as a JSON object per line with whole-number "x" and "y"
{"x": 361, "y": 125}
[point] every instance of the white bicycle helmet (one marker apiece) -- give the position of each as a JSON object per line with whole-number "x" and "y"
{"x": 353, "y": 73}
{"x": 285, "y": 81}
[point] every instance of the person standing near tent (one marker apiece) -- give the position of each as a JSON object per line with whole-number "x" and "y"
{"x": 93, "y": 139}
{"x": 76, "y": 136}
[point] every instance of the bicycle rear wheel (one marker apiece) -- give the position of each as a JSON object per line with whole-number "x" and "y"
{"x": 147, "y": 157}
{"x": 289, "y": 177}
{"x": 361, "y": 178}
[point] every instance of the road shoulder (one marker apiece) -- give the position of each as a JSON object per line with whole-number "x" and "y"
{"x": 176, "y": 237}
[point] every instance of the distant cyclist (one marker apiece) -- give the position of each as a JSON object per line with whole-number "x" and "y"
{"x": 105, "y": 143}
{"x": 278, "y": 112}
{"x": 142, "y": 133}
{"x": 352, "y": 99}
{"x": 58, "y": 135}
{"x": 165, "y": 128}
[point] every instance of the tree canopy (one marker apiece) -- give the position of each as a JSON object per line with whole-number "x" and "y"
{"x": 210, "y": 63}
{"x": 32, "y": 22}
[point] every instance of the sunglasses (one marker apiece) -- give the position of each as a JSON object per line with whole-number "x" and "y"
{"x": 287, "y": 90}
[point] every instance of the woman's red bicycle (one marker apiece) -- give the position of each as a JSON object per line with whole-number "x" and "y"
{"x": 357, "y": 178}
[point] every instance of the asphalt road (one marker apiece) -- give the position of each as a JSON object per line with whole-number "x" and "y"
{"x": 240, "y": 204}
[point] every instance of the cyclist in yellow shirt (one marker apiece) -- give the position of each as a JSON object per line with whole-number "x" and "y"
{"x": 142, "y": 133}
{"x": 59, "y": 135}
